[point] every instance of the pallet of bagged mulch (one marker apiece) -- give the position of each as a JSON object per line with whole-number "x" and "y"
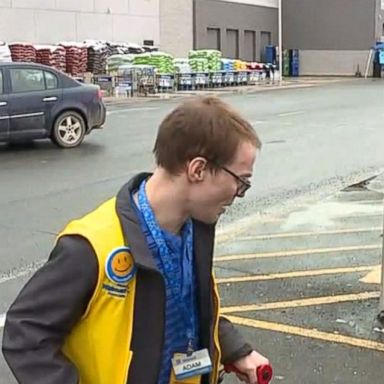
{"x": 51, "y": 55}
{"x": 76, "y": 57}
{"x": 24, "y": 52}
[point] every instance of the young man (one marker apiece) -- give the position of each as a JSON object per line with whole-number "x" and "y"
{"x": 128, "y": 294}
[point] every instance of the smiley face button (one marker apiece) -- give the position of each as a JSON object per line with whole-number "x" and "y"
{"x": 120, "y": 266}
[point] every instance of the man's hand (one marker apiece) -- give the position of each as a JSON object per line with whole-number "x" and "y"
{"x": 248, "y": 365}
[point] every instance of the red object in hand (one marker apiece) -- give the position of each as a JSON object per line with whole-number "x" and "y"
{"x": 264, "y": 373}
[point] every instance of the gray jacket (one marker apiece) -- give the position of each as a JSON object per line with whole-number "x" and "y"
{"x": 55, "y": 298}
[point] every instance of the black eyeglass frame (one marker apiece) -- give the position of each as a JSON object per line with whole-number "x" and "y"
{"x": 244, "y": 184}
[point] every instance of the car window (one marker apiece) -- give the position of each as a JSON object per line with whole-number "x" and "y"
{"x": 50, "y": 80}
{"x": 27, "y": 80}
{"x": 1, "y": 82}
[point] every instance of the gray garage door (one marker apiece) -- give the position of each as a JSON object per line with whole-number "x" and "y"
{"x": 232, "y": 50}
{"x": 250, "y": 45}
{"x": 213, "y": 39}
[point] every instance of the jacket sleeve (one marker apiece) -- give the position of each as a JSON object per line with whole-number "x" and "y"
{"x": 46, "y": 310}
{"x": 232, "y": 343}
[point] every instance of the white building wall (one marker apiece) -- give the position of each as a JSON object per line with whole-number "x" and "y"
{"x": 176, "y": 26}
{"x": 51, "y": 21}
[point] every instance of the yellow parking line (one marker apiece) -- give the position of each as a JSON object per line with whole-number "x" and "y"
{"x": 373, "y": 277}
{"x": 312, "y": 233}
{"x": 299, "y": 252}
{"x": 297, "y": 303}
{"x": 267, "y": 220}
{"x": 368, "y": 202}
{"x": 223, "y": 236}
{"x": 308, "y": 333}
{"x": 289, "y": 275}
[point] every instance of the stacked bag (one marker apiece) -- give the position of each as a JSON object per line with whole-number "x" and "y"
{"x": 97, "y": 53}
{"x": 51, "y": 55}
{"x": 149, "y": 48}
{"x": 5, "y": 53}
{"x": 182, "y": 66}
{"x": 133, "y": 48}
{"x": 24, "y": 52}
{"x": 162, "y": 61}
{"x": 123, "y": 48}
{"x": 114, "y": 49}
{"x": 227, "y": 65}
{"x": 114, "y": 62}
{"x": 253, "y": 66}
{"x": 212, "y": 56}
{"x": 199, "y": 65}
{"x": 76, "y": 58}
{"x": 240, "y": 65}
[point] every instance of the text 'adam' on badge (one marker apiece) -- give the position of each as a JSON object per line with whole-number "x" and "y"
{"x": 196, "y": 364}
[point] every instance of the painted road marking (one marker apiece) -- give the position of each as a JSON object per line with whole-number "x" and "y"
{"x": 300, "y": 252}
{"x": 281, "y": 219}
{"x": 373, "y": 277}
{"x": 2, "y": 320}
{"x": 280, "y": 235}
{"x": 293, "y": 113}
{"x": 369, "y": 202}
{"x": 268, "y": 220}
{"x": 298, "y": 303}
{"x": 308, "y": 333}
{"x": 295, "y": 274}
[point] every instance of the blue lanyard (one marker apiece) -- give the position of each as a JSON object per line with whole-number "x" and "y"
{"x": 183, "y": 294}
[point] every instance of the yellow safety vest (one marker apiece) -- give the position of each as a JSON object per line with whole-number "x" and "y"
{"x": 99, "y": 344}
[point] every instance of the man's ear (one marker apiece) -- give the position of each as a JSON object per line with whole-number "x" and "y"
{"x": 197, "y": 169}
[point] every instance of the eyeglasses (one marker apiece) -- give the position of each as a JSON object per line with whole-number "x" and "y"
{"x": 242, "y": 184}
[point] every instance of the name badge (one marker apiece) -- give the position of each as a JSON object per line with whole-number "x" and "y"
{"x": 196, "y": 364}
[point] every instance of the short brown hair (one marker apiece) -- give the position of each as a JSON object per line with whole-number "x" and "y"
{"x": 202, "y": 126}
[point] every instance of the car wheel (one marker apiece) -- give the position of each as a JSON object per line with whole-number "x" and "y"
{"x": 68, "y": 130}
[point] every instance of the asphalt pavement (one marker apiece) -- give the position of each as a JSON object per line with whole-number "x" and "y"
{"x": 296, "y": 259}
{"x": 304, "y": 287}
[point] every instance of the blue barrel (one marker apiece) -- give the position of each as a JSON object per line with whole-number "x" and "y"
{"x": 295, "y": 62}
{"x": 295, "y": 53}
{"x": 270, "y": 54}
{"x": 295, "y": 70}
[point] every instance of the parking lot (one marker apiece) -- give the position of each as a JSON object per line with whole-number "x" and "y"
{"x": 293, "y": 259}
{"x": 305, "y": 288}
